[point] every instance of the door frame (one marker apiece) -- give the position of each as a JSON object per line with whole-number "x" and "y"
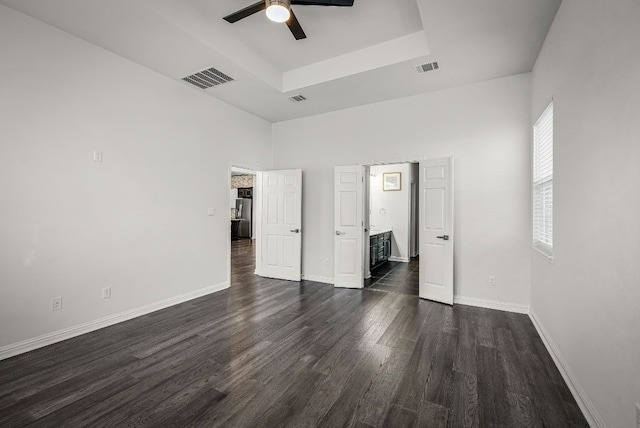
{"x": 365, "y": 201}
{"x": 257, "y": 172}
{"x": 416, "y": 159}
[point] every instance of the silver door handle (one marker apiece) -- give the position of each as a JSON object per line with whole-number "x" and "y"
{"x": 445, "y": 237}
{"x": 340, "y": 233}
{"x": 295, "y": 230}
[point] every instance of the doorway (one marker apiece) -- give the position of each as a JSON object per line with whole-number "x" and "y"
{"x": 242, "y": 242}
{"x": 392, "y": 209}
{"x": 270, "y": 243}
{"x": 352, "y": 244}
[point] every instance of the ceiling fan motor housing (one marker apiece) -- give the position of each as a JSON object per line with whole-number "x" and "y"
{"x": 283, "y": 3}
{"x": 278, "y": 10}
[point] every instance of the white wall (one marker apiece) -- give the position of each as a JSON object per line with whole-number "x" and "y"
{"x": 136, "y": 222}
{"x": 588, "y": 300}
{"x": 391, "y": 208}
{"x": 485, "y": 126}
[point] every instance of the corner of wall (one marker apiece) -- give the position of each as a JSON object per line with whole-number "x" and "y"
{"x": 582, "y": 399}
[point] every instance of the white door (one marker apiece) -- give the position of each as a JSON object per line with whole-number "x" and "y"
{"x": 367, "y": 222}
{"x": 349, "y": 226}
{"x": 436, "y": 230}
{"x": 281, "y": 225}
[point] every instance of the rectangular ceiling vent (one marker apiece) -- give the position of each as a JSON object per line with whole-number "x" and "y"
{"x": 297, "y": 98}
{"x": 207, "y": 78}
{"x": 423, "y": 68}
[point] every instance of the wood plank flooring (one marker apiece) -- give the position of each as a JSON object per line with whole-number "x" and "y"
{"x": 397, "y": 277}
{"x": 269, "y": 353}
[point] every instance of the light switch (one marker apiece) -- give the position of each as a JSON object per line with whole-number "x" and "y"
{"x": 212, "y": 211}
{"x": 97, "y": 156}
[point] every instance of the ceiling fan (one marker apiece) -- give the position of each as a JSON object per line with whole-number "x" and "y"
{"x": 280, "y": 11}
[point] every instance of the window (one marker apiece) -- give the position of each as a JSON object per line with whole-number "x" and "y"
{"x": 543, "y": 182}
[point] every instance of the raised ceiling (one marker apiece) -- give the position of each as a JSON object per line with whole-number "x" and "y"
{"x": 330, "y": 30}
{"x": 351, "y": 56}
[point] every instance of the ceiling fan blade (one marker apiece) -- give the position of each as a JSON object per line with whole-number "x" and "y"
{"x": 323, "y": 2}
{"x": 295, "y": 27}
{"x": 247, "y": 11}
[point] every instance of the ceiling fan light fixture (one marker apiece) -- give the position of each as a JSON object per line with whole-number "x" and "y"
{"x": 278, "y": 10}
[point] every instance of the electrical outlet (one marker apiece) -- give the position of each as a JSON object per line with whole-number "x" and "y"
{"x": 56, "y": 304}
{"x": 326, "y": 262}
{"x": 106, "y": 293}
{"x": 212, "y": 211}
{"x": 97, "y": 156}
{"x": 492, "y": 280}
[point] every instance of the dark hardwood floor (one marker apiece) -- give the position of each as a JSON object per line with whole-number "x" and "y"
{"x": 269, "y": 353}
{"x": 397, "y": 277}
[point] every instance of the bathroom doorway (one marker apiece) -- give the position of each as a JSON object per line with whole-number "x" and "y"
{"x": 393, "y": 217}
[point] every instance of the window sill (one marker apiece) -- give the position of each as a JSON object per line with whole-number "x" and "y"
{"x": 542, "y": 254}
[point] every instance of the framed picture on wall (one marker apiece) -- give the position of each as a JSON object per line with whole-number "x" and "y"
{"x": 391, "y": 181}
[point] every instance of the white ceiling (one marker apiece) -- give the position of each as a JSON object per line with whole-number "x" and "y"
{"x": 352, "y": 56}
{"x": 330, "y": 30}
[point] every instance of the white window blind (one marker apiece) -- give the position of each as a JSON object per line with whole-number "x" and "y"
{"x": 543, "y": 182}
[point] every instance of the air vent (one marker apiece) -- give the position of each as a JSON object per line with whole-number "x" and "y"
{"x": 297, "y": 98}
{"x": 423, "y": 68}
{"x": 207, "y": 78}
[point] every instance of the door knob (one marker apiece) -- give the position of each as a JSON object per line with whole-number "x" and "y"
{"x": 340, "y": 233}
{"x": 445, "y": 237}
{"x": 295, "y": 230}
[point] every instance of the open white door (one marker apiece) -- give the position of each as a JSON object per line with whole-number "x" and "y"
{"x": 281, "y": 225}
{"x": 436, "y": 230}
{"x": 367, "y": 222}
{"x": 349, "y": 226}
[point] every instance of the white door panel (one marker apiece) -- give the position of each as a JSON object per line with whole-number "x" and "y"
{"x": 434, "y": 209}
{"x": 435, "y": 274}
{"x": 281, "y": 243}
{"x": 349, "y": 261}
{"x": 272, "y": 250}
{"x": 349, "y": 226}
{"x": 436, "y": 230}
{"x": 348, "y": 208}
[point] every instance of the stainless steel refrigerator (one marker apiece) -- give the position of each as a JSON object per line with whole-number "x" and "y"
{"x": 244, "y": 213}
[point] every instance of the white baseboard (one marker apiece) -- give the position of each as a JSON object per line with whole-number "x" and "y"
{"x": 317, "y": 278}
{"x": 77, "y": 330}
{"x": 586, "y": 405}
{"x": 399, "y": 259}
{"x": 491, "y": 304}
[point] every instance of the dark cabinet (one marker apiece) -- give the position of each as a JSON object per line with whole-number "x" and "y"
{"x": 387, "y": 246}
{"x": 235, "y": 229}
{"x": 373, "y": 246}
{"x": 379, "y": 249}
{"x": 245, "y": 192}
